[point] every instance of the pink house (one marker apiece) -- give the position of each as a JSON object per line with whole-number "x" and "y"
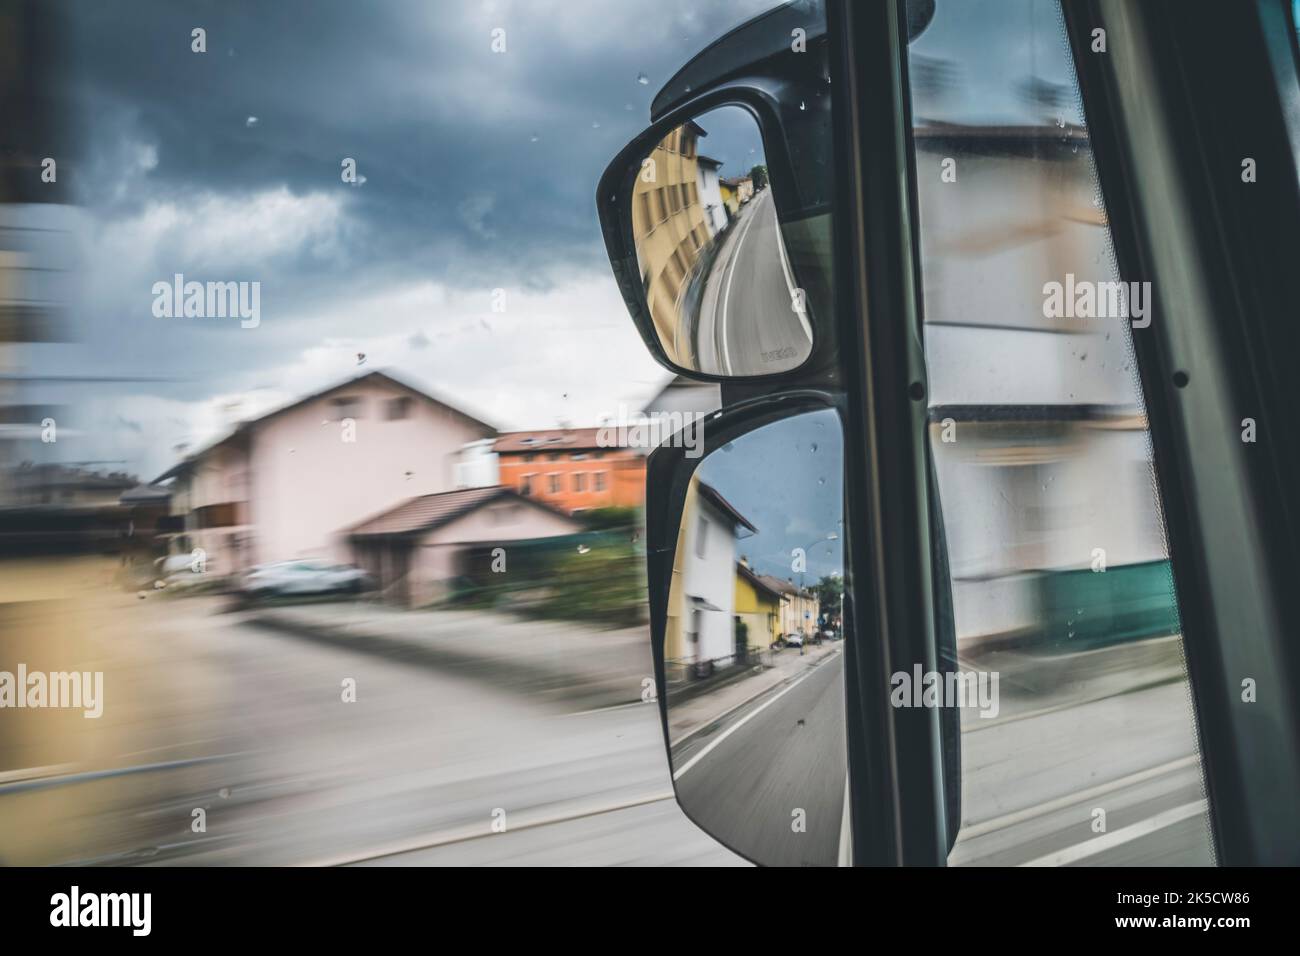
{"x": 292, "y": 483}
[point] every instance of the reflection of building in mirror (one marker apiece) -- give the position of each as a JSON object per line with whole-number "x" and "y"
{"x": 717, "y": 279}
{"x": 700, "y": 635}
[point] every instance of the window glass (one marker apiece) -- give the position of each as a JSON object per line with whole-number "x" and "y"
{"x": 229, "y": 255}
{"x": 1060, "y": 577}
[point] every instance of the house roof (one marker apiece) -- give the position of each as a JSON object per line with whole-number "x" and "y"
{"x": 1038, "y": 141}
{"x": 550, "y": 439}
{"x": 55, "y": 475}
{"x": 779, "y": 585}
{"x": 710, "y": 494}
{"x": 242, "y": 430}
{"x": 426, "y": 512}
{"x": 757, "y": 580}
{"x": 142, "y": 494}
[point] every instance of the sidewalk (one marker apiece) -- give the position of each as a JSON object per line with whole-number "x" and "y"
{"x": 702, "y": 712}
{"x": 567, "y": 664}
{"x": 1031, "y": 683}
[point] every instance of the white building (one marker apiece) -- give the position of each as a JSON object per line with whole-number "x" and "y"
{"x": 715, "y": 213}
{"x": 702, "y": 606}
{"x": 477, "y": 465}
{"x": 1040, "y": 444}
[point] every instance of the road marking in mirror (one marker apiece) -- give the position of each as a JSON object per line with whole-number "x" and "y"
{"x": 677, "y": 774}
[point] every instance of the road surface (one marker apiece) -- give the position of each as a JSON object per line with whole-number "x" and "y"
{"x": 770, "y": 779}
{"x": 747, "y": 325}
{"x": 427, "y": 767}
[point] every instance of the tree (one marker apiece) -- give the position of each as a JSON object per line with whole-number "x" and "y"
{"x": 759, "y": 175}
{"x": 830, "y": 594}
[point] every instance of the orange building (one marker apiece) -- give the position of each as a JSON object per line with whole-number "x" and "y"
{"x": 569, "y": 470}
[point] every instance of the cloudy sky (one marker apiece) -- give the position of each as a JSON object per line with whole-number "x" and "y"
{"x": 479, "y": 171}
{"x": 786, "y": 479}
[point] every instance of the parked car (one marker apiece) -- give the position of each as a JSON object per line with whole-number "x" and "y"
{"x": 794, "y": 640}
{"x": 176, "y": 571}
{"x": 304, "y": 577}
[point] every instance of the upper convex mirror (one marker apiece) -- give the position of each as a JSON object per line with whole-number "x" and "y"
{"x": 711, "y": 251}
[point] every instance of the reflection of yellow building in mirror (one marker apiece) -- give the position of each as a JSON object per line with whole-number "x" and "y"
{"x": 758, "y": 606}
{"x": 730, "y": 198}
{"x": 670, "y": 229}
{"x": 741, "y": 189}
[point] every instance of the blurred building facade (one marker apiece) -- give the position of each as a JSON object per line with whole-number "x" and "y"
{"x": 416, "y": 550}
{"x": 668, "y": 221}
{"x": 291, "y": 483}
{"x": 570, "y": 470}
{"x": 1040, "y": 442}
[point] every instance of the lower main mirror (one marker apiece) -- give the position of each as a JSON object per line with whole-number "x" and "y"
{"x": 753, "y": 661}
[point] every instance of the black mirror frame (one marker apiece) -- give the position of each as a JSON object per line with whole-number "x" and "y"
{"x": 668, "y": 477}
{"x": 761, "y": 98}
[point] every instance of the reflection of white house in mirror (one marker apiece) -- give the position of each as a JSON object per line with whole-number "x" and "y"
{"x": 715, "y": 213}
{"x": 702, "y": 599}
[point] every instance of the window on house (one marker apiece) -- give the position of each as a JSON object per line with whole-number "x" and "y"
{"x": 345, "y": 406}
{"x": 526, "y": 485}
{"x": 599, "y": 481}
{"x": 579, "y": 456}
{"x": 580, "y": 481}
{"x": 554, "y": 456}
{"x": 701, "y": 536}
{"x": 529, "y": 456}
{"x": 396, "y": 409}
{"x": 553, "y": 483}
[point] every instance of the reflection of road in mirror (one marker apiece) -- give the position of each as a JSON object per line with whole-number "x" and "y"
{"x": 767, "y": 778}
{"x": 752, "y": 652}
{"x": 747, "y": 323}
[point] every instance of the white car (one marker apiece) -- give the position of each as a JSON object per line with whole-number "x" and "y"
{"x": 180, "y": 571}
{"x": 794, "y": 640}
{"x": 303, "y": 577}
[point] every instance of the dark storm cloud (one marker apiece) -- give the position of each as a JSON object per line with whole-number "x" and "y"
{"x": 479, "y": 166}
{"x": 479, "y": 173}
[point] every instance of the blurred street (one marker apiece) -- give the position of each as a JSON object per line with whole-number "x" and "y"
{"x": 213, "y": 708}
{"x": 421, "y": 759}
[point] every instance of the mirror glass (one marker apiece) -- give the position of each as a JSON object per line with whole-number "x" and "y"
{"x": 753, "y": 645}
{"x": 713, "y": 260}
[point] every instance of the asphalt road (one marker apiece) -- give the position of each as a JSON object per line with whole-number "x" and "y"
{"x": 1110, "y": 782}
{"x": 746, "y": 324}
{"x": 771, "y": 768}
{"x": 436, "y": 768}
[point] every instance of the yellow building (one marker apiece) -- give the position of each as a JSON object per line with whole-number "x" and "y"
{"x": 730, "y": 197}
{"x": 670, "y": 230}
{"x": 758, "y": 605}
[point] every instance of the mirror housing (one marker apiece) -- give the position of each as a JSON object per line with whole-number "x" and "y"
{"x": 785, "y": 86}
